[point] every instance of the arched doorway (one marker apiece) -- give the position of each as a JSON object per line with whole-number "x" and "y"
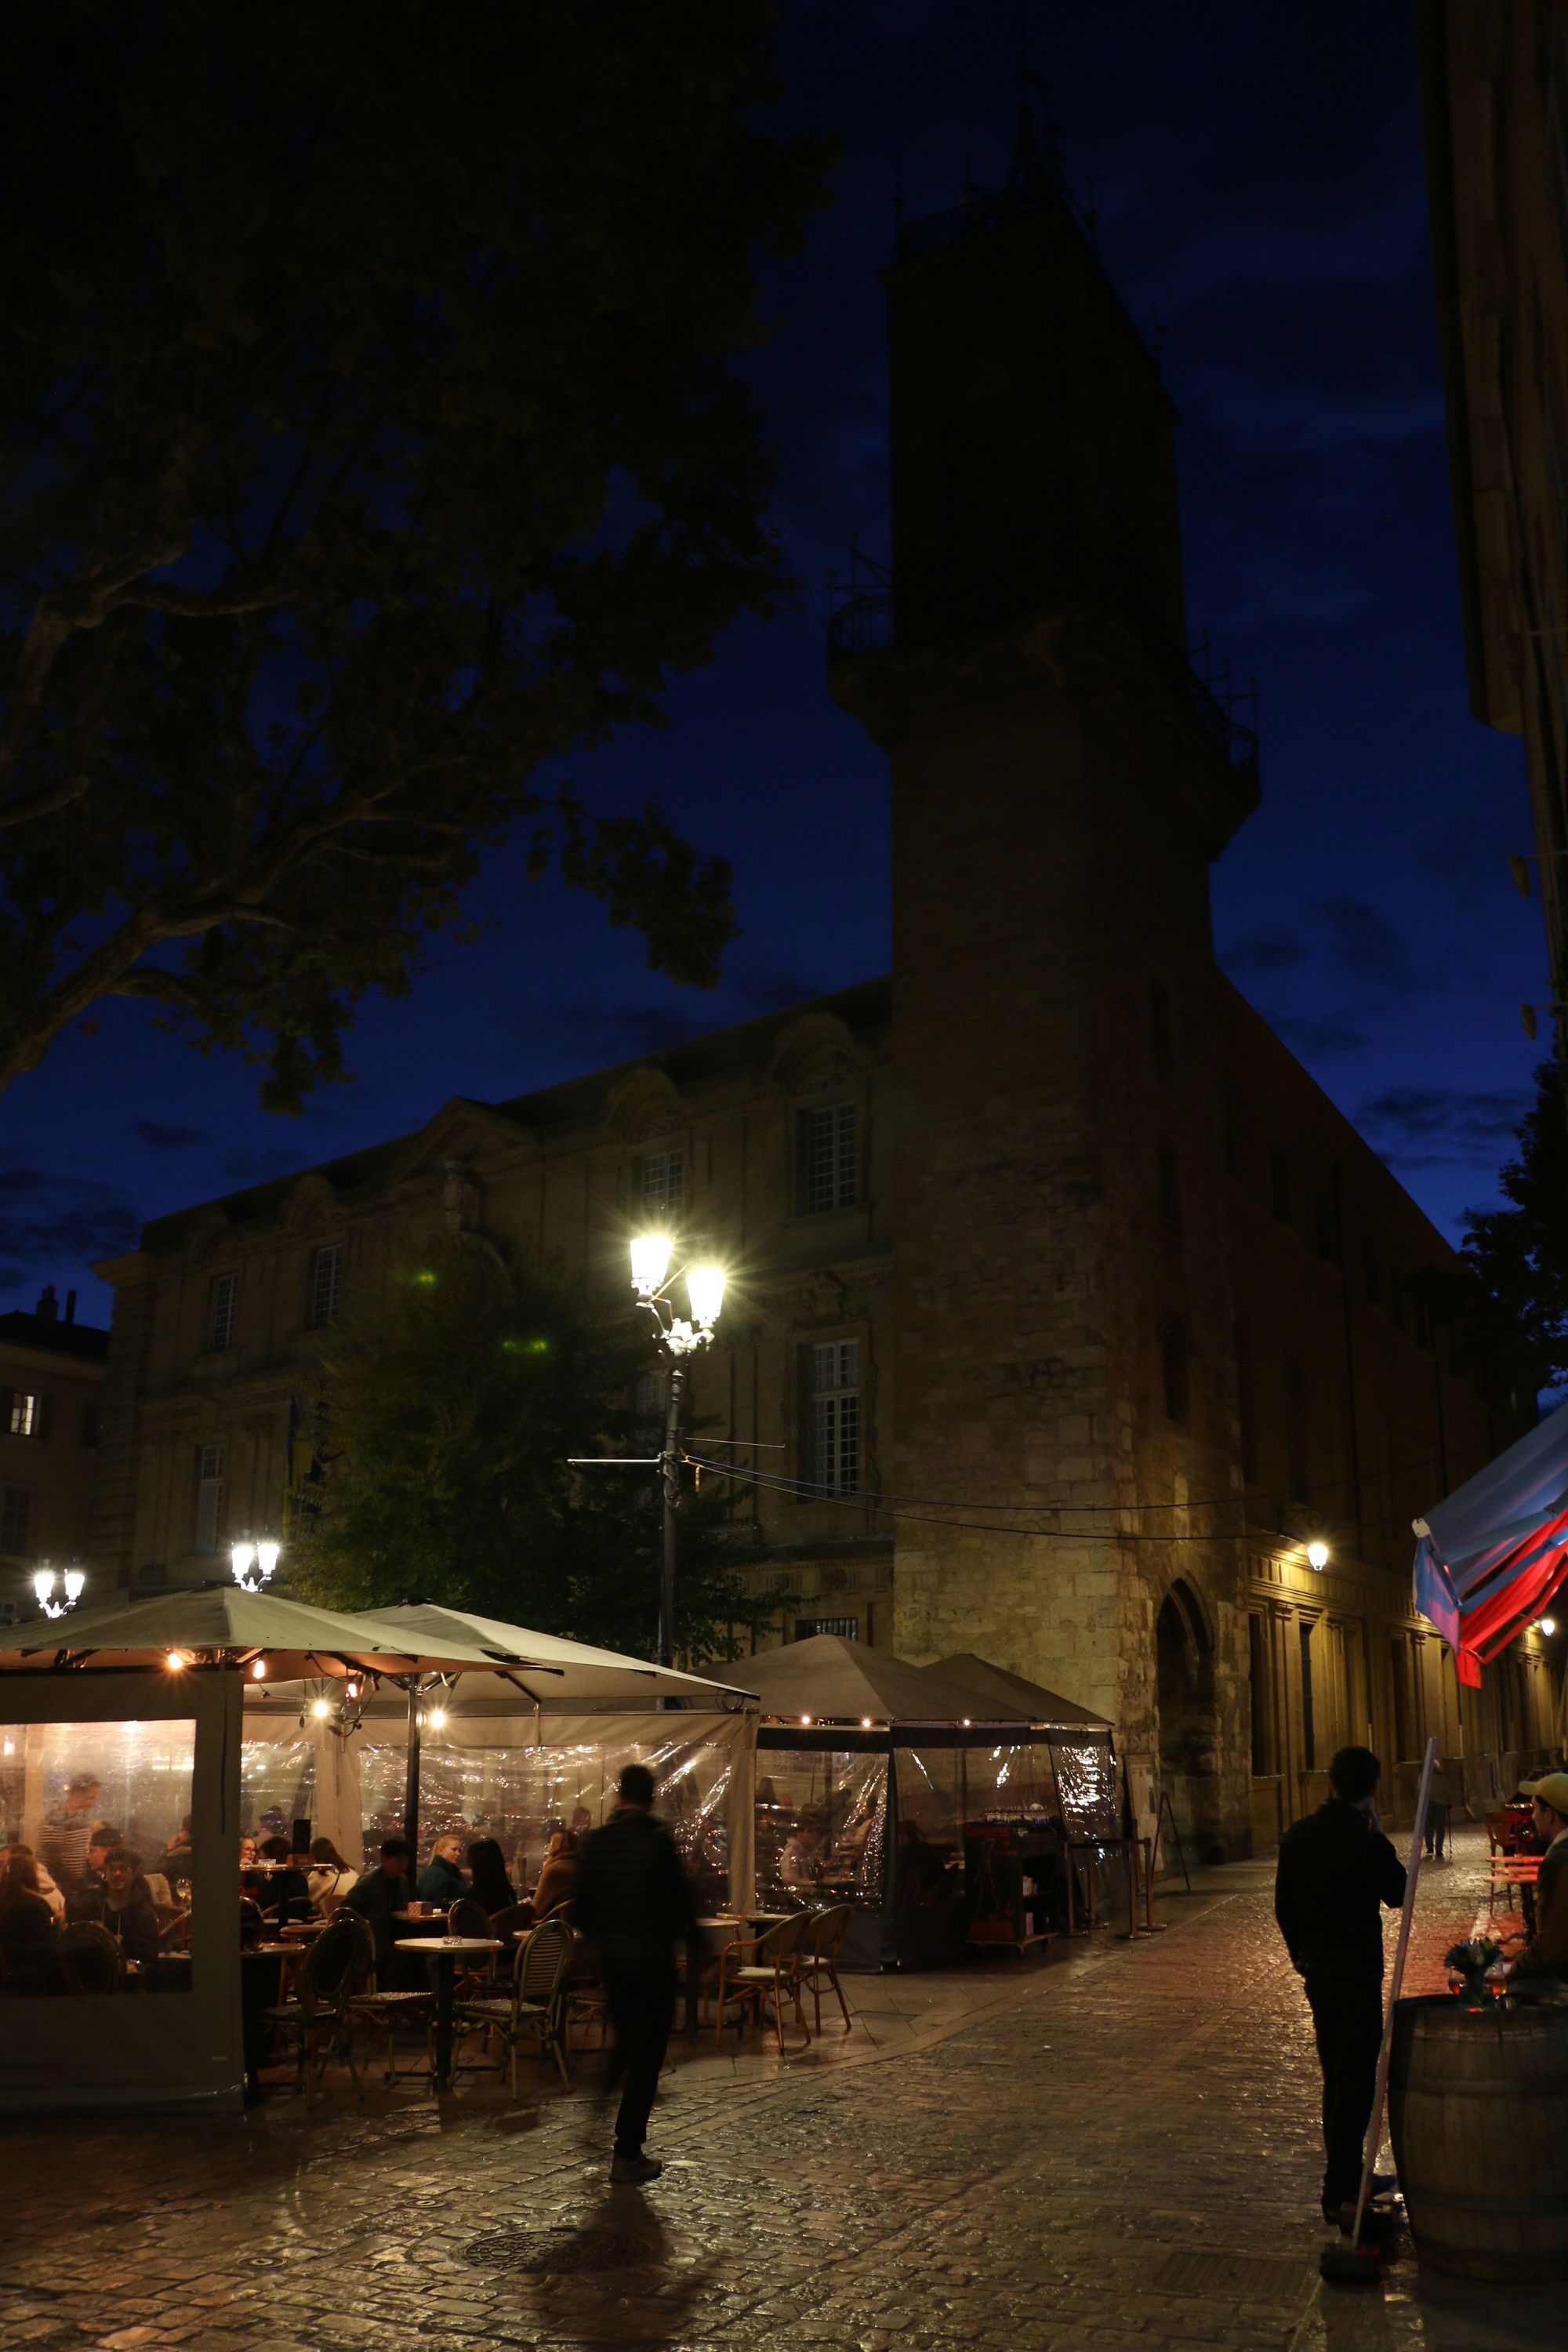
{"x": 1189, "y": 1720}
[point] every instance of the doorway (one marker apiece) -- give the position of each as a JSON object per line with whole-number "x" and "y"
{"x": 1189, "y": 1719}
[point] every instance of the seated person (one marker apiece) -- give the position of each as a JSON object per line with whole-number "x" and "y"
{"x": 558, "y": 1874}
{"x": 27, "y": 1922}
{"x": 176, "y": 1863}
{"x": 857, "y": 1832}
{"x": 101, "y": 1840}
{"x": 1546, "y": 1954}
{"x": 329, "y": 1877}
{"x": 488, "y": 1881}
{"x": 441, "y": 1881}
{"x": 53, "y": 1895}
{"x": 799, "y": 1864}
{"x": 285, "y": 1893}
{"x": 376, "y": 1896}
{"x": 122, "y": 1904}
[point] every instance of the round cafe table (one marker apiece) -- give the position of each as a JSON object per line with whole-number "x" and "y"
{"x": 446, "y": 1951}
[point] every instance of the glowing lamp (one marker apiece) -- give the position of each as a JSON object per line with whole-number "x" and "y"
{"x": 966, "y": 1720}
{"x": 705, "y": 1289}
{"x": 266, "y": 1552}
{"x": 43, "y": 1583}
{"x": 1317, "y": 1553}
{"x": 1548, "y": 1626}
{"x": 805, "y": 1718}
{"x": 173, "y": 1661}
{"x": 240, "y": 1558}
{"x": 320, "y": 1708}
{"x": 259, "y": 1671}
{"x": 351, "y": 1690}
{"x": 650, "y": 1263}
{"x": 76, "y": 1584}
{"x": 865, "y": 1723}
{"x": 436, "y": 1719}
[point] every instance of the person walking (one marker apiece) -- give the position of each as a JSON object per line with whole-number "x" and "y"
{"x": 1335, "y": 1869}
{"x": 1439, "y": 1802}
{"x": 634, "y": 1906}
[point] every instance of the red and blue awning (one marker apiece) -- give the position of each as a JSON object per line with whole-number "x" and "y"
{"x": 1491, "y": 1555}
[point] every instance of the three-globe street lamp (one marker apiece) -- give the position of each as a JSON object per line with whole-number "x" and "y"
{"x": 57, "y": 1589}
{"x": 679, "y": 1338}
{"x": 254, "y": 1563}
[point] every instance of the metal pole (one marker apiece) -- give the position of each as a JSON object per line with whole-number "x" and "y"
{"x": 411, "y": 1784}
{"x": 669, "y": 1473}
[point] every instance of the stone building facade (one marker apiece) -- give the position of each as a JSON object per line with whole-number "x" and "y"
{"x": 52, "y": 1374}
{"x": 1065, "y": 1310}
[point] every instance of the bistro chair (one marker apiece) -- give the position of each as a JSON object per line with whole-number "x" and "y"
{"x": 316, "y": 2023}
{"x": 382, "y": 2013}
{"x": 505, "y": 1924}
{"x": 89, "y": 1959}
{"x": 763, "y": 1967}
{"x": 821, "y": 1944}
{"x": 537, "y": 2007}
{"x": 468, "y": 1916}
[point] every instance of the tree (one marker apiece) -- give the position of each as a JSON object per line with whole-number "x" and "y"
{"x": 450, "y": 1406}
{"x": 371, "y": 438}
{"x": 1513, "y": 1300}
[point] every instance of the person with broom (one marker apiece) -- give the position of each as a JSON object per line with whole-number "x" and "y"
{"x": 1336, "y": 1871}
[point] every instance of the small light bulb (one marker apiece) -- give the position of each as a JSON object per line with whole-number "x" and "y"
{"x": 966, "y": 1723}
{"x": 351, "y": 1690}
{"x": 320, "y": 1708}
{"x": 1548, "y": 1626}
{"x": 436, "y": 1719}
{"x": 805, "y": 1718}
{"x": 1317, "y": 1553}
{"x": 173, "y": 1661}
{"x": 865, "y": 1723}
{"x": 259, "y": 1671}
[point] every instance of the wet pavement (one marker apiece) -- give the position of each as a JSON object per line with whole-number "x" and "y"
{"x": 1115, "y": 2147}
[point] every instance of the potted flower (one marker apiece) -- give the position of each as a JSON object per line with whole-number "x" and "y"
{"x": 1468, "y": 1964}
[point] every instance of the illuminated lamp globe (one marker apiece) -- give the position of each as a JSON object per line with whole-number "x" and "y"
{"x": 705, "y": 1289}
{"x": 43, "y": 1583}
{"x": 240, "y": 1557}
{"x": 76, "y": 1584}
{"x": 650, "y": 1263}
{"x": 173, "y": 1661}
{"x": 259, "y": 1671}
{"x": 266, "y": 1552}
{"x": 1317, "y": 1553}
{"x": 436, "y": 1719}
{"x": 1548, "y": 1626}
{"x": 320, "y": 1708}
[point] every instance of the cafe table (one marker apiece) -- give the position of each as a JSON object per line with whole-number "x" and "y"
{"x": 446, "y": 1951}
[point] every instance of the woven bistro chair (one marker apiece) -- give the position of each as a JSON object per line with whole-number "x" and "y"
{"x": 536, "y": 2008}
{"x": 764, "y": 1967}
{"x": 89, "y": 1959}
{"x": 383, "y": 2012}
{"x": 316, "y": 2024}
{"x": 468, "y": 1916}
{"x": 821, "y": 1944}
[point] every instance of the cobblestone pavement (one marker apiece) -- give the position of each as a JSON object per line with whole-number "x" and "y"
{"x": 1114, "y": 2150}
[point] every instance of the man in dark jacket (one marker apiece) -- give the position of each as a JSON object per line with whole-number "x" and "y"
{"x": 634, "y": 1906}
{"x": 377, "y": 1896}
{"x": 1336, "y": 1868}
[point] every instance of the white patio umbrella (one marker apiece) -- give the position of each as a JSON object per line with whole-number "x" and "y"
{"x": 223, "y": 1625}
{"x": 550, "y": 1671}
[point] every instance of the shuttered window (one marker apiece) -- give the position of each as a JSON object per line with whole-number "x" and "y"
{"x": 326, "y": 1284}
{"x": 223, "y": 1307}
{"x": 835, "y": 1407}
{"x": 209, "y": 1496}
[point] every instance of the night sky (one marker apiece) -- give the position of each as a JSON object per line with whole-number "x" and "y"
{"x": 1259, "y": 178}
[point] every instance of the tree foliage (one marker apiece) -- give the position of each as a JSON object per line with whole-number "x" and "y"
{"x": 450, "y": 1407}
{"x": 369, "y": 439}
{"x": 1514, "y": 1298}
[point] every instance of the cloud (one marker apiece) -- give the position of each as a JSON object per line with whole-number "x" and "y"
{"x": 590, "y": 1035}
{"x": 1369, "y": 950}
{"x": 1257, "y": 955}
{"x": 1320, "y": 1033}
{"x": 48, "y": 1219}
{"x": 159, "y": 1137}
{"x": 1443, "y": 1126}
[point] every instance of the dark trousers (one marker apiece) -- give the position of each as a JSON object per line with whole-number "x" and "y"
{"x": 1436, "y": 1829}
{"x": 1347, "y": 2017}
{"x": 642, "y": 2011}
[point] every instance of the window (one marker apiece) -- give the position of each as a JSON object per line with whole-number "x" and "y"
{"x": 223, "y": 1304}
{"x": 1174, "y": 1361}
{"x": 30, "y": 1414}
{"x": 1309, "y": 1729}
{"x": 1279, "y": 1184}
{"x": 829, "y": 1174}
{"x": 1160, "y": 1025}
{"x": 663, "y": 1180}
{"x": 1296, "y": 1450}
{"x": 1170, "y": 1185}
{"x": 847, "y": 1628}
{"x": 209, "y": 1496}
{"x": 16, "y": 1520}
{"x": 326, "y": 1284}
{"x": 91, "y": 1421}
{"x": 834, "y": 1374}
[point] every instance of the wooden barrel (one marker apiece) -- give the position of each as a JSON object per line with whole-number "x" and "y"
{"x": 1477, "y": 2111}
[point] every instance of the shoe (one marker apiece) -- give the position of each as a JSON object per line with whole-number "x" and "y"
{"x": 635, "y": 2169}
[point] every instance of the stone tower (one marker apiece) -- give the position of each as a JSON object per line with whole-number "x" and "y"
{"x": 1060, "y": 784}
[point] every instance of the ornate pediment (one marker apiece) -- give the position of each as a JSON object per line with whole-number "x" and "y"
{"x": 644, "y": 1105}
{"x": 309, "y": 1204}
{"x": 815, "y": 1054}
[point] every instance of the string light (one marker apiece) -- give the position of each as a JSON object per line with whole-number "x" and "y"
{"x": 320, "y": 1708}
{"x": 173, "y": 1661}
{"x": 259, "y": 1671}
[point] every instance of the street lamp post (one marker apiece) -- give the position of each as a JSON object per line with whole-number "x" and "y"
{"x": 254, "y": 1563}
{"x": 58, "y": 1591}
{"x": 679, "y": 1338}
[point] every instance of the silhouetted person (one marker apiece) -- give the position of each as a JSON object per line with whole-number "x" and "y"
{"x": 634, "y": 1906}
{"x": 1336, "y": 1868}
{"x": 488, "y": 1881}
{"x": 1439, "y": 1803}
{"x": 376, "y": 1896}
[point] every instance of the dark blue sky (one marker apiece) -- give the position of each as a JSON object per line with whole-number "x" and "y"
{"x": 1258, "y": 179}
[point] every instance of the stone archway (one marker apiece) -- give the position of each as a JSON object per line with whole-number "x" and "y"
{"x": 1189, "y": 1719}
